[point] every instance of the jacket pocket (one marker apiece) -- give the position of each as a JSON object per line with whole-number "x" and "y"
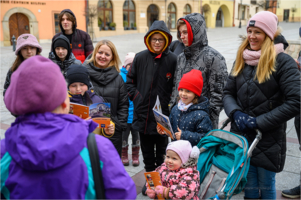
{"x": 137, "y": 100}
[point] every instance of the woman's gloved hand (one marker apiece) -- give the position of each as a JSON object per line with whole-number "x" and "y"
{"x": 244, "y": 122}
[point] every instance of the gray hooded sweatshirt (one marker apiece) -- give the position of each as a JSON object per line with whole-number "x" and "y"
{"x": 210, "y": 62}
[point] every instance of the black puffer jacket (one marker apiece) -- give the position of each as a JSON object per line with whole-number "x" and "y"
{"x": 109, "y": 84}
{"x": 273, "y": 103}
{"x": 151, "y": 75}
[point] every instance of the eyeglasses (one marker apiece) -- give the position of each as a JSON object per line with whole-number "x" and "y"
{"x": 157, "y": 40}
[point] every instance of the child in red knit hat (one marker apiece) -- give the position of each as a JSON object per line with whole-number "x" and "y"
{"x": 190, "y": 118}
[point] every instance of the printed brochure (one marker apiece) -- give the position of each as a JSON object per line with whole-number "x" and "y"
{"x": 99, "y": 112}
{"x": 163, "y": 120}
{"x": 153, "y": 179}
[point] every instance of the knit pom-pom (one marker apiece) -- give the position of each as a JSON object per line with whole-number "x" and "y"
{"x": 195, "y": 152}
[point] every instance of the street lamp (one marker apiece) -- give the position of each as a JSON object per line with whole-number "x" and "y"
{"x": 240, "y": 14}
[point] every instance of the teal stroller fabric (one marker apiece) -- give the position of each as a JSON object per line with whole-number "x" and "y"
{"x": 228, "y": 152}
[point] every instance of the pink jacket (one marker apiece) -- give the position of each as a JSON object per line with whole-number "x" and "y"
{"x": 184, "y": 183}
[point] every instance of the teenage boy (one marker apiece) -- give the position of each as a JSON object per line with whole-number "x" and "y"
{"x": 80, "y": 41}
{"x": 151, "y": 75}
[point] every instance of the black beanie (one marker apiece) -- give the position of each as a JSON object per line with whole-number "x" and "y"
{"x": 77, "y": 73}
{"x": 60, "y": 42}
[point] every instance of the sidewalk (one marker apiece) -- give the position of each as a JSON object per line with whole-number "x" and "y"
{"x": 226, "y": 41}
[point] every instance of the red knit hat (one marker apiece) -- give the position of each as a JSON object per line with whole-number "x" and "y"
{"x": 192, "y": 81}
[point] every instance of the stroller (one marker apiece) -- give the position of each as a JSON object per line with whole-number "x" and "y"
{"x": 223, "y": 163}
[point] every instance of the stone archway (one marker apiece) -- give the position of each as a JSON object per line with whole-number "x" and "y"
{"x": 225, "y": 16}
{"x": 152, "y": 14}
{"x": 33, "y": 23}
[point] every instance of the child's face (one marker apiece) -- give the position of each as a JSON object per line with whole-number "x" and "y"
{"x": 61, "y": 52}
{"x": 28, "y": 51}
{"x": 78, "y": 88}
{"x": 172, "y": 160}
{"x": 186, "y": 96}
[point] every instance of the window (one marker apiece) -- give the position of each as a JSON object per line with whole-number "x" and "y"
{"x": 171, "y": 16}
{"x": 56, "y": 23}
{"x": 187, "y": 9}
{"x": 105, "y": 14}
{"x": 129, "y": 15}
{"x": 243, "y": 10}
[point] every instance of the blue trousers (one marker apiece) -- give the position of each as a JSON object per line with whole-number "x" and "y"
{"x": 260, "y": 184}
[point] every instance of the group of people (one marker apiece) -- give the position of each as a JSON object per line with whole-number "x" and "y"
{"x": 46, "y": 144}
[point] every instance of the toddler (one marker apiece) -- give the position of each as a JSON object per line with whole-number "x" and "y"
{"x": 179, "y": 176}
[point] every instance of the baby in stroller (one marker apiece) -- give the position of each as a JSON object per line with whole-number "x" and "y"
{"x": 179, "y": 177}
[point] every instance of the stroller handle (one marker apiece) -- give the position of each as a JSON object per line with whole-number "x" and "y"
{"x": 255, "y": 142}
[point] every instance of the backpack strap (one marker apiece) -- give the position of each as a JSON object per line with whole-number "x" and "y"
{"x": 95, "y": 163}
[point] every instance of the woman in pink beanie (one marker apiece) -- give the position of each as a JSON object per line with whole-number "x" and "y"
{"x": 27, "y": 46}
{"x": 179, "y": 177}
{"x": 263, "y": 92}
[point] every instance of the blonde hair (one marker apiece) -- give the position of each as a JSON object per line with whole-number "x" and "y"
{"x": 267, "y": 61}
{"x": 115, "y": 60}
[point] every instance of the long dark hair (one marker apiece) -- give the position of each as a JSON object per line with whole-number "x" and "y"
{"x": 19, "y": 60}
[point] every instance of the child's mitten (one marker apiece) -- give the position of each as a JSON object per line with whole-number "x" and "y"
{"x": 161, "y": 190}
{"x": 151, "y": 193}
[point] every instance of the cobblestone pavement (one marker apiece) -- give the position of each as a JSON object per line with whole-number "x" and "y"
{"x": 226, "y": 41}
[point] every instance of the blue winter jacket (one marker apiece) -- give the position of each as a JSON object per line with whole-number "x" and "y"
{"x": 123, "y": 73}
{"x": 194, "y": 123}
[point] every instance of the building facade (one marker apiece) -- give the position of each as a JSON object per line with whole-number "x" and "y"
{"x": 106, "y": 17}
{"x": 36, "y": 17}
{"x": 244, "y": 10}
{"x": 115, "y": 17}
{"x": 289, "y": 10}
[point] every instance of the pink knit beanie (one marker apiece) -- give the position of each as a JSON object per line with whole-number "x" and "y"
{"x": 37, "y": 86}
{"x": 266, "y": 21}
{"x": 182, "y": 148}
{"x": 27, "y": 40}
{"x": 129, "y": 58}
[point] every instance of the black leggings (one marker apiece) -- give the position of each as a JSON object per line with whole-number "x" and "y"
{"x": 125, "y": 136}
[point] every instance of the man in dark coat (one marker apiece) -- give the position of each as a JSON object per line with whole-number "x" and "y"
{"x": 80, "y": 41}
{"x": 151, "y": 75}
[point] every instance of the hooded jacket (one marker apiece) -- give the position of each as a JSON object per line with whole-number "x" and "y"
{"x": 273, "y": 103}
{"x": 210, "y": 62}
{"x": 81, "y": 43}
{"x": 194, "y": 123}
{"x": 123, "y": 73}
{"x": 68, "y": 61}
{"x": 45, "y": 156}
{"x": 151, "y": 75}
{"x": 109, "y": 84}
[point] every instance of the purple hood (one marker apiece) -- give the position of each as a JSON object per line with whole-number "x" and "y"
{"x": 27, "y": 131}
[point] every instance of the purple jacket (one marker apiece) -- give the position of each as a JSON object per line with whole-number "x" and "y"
{"x": 45, "y": 156}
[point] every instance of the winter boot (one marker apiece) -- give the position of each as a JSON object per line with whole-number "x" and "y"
{"x": 135, "y": 155}
{"x": 124, "y": 156}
